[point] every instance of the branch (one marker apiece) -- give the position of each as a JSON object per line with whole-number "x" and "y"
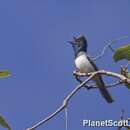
{"x": 122, "y": 78}
{"x": 66, "y": 100}
{"x": 65, "y": 103}
{"x": 93, "y": 86}
{"x": 109, "y": 45}
{"x": 80, "y": 81}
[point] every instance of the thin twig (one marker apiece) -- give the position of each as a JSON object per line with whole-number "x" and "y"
{"x": 127, "y": 64}
{"x": 93, "y": 86}
{"x": 113, "y": 50}
{"x": 109, "y": 45}
{"x": 122, "y": 114}
{"x": 121, "y": 118}
{"x": 66, "y": 119}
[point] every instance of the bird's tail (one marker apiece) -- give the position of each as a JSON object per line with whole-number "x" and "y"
{"x": 103, "y": 89}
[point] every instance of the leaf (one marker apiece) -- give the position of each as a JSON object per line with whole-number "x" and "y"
{"x": 4, "y": 124}
{"x": 4, "y": 74}
{"x": 122, "y": 53}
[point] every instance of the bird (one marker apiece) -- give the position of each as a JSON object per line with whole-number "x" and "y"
{"x": 85, "y": 64}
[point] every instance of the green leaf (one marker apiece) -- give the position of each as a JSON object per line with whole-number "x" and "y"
{"x": 4, "y": 74}
{"x": 4, "y": 124}
{"x": 122, "y": 53}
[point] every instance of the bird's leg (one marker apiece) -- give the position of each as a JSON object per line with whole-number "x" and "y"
{"x": 78, "y": 78}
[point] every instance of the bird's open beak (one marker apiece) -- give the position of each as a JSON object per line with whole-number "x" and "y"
{"x": 74, "y": 38}
{"x": 70, "y": 42}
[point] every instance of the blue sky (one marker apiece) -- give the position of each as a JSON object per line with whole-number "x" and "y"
{"x": 33, "y": 37}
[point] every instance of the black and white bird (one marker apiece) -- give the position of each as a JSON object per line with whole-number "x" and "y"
{"x": 85, "y": 64}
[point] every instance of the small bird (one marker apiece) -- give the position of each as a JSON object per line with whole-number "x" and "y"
{"x": 85, "y": 64}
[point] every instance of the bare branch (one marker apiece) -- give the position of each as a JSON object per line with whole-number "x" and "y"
{"x": 66, "y": 100}
{"x": 109, "y": 45}
{"x": 128, "y": 63}
{"x": 66, "y": 118}
{"x": 65, "y": 103}
{"x": 93, "y": 86}
{"x": 103, "y": 72}
{"x": 80, "y": 81}
{"x": 48, "y": 118}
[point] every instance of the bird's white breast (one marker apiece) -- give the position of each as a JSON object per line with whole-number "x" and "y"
{"x": 83, "y": 64}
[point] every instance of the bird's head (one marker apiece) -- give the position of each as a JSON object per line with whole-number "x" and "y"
{"x": 79, "y": 44}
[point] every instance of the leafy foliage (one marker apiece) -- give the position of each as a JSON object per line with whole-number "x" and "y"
{"x": 122, "y": 53}
{"x": 4, "y": 74}
{"x": 4, "y": 124}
